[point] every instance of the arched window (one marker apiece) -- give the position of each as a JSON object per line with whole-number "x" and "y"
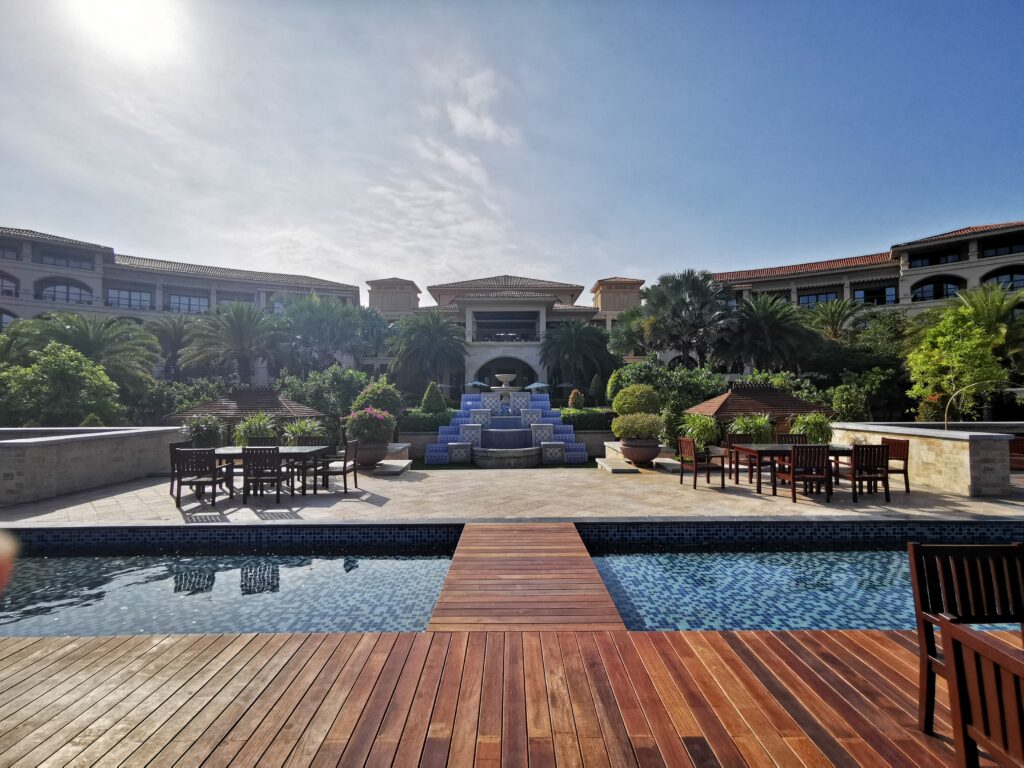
{"x": 939, "y": 287}
{"x": 6, "y": 318}
{"x": 8, "y": 285}
{"x": 1011, "y": 278}
{"x": 64, "y": 292}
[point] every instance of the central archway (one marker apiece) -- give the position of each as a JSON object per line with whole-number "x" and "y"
{"x": 525, "y": 374}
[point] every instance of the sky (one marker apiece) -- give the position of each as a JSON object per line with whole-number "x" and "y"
{"x": 560, "y": 140}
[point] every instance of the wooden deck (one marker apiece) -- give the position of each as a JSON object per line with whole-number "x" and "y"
{"x": 523, "y": 577}
{"x": 808, "y": 698}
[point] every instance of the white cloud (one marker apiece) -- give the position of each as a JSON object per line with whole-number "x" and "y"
{"x": 470, "y": 110}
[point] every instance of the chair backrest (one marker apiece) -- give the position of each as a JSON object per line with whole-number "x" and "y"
{"x": 264, "y": 441}
{"x": 351, "y": 449}
{"x": 974, "y": 583}
{"x": 870, "y": 457}
{"x": 899, "y": 450}
{"x": 809, "y": 458}
{"x": 687, "y": 450}
{"x": 791, "y": 438}
{"x": 195, "y": 461}
{"x": 731, "y": 439}
{"x": 986, "y": 691}
{"x": 256, "y": 459}
{"x": 174, "y": 448}
{"x": 311, "y": 440}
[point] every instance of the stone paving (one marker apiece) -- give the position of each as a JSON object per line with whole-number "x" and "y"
{"x": 476, "y": 495}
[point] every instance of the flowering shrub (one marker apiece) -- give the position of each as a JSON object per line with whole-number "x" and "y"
{"x": 371, "y": 425}
{"x": 576, "y": 399}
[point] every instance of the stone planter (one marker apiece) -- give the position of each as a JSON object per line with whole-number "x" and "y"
{"x": 371, "y": 454}
{"x": 640, "y": 451}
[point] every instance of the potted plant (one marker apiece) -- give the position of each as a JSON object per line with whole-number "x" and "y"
{"x": 373, "y": 429}
{"x": 817, "y": 426}
{"x": 204, "y": 431}
{"x": 700, "y": 428}
{"x": 638, "y": 434}
{"x": 257, "y": 425}
{"x": 758, "y": 425}
{"x": 293, "y": 430}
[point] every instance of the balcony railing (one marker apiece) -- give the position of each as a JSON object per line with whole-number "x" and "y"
{"x": 506, "y": 337}
{"x": 12, "y": 292}
{"x": 62, "y": 300}
{"x": 129, "y": 304}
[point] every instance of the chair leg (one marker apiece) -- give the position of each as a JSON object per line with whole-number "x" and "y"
{"x": 792, "y": 488}
{"x": 355, "y": 476}
{"x": 885, "y": 487}
{"x": 926, "y": 705}
{"x": 695, "y": 477}
{"x": 177, "y": 496}
{"x": 906, "y": 480}
{"x": 213, "y": 493}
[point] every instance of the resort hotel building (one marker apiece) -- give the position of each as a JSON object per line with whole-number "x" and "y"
{"x": 504, "y": 317}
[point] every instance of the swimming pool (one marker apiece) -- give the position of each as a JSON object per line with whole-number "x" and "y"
{"x": 213, "y": 594}
{"x": 760, "y": 590}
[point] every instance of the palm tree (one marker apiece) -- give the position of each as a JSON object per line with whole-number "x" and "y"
{"x": 124, "y": 348}
{"x": 576, "y": 349}
{"x": 15, "y": 342}
{"x": 834, "y": 319}
{"x": 173, "y": 332}
{"x": 689, "y": 312}
{"x": 376, "y": 332}
{"x": 627, "y": 336}
{"x": 237, "y": 334}
{"x": 426, "y": 345}
{"x": 993, "y": 307}
{"x": 320, "y": 329}
{"x": 770, "y": 333}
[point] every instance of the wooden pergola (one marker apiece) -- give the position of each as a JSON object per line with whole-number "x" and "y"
{"x": 746, "y": 399}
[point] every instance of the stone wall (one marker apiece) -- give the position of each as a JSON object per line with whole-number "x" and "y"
{"x": 958, "y": 462}
{"x": 594, "y": 440}
{"x": 33, "y": 468}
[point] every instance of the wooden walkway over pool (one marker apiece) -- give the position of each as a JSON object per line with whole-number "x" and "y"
{"x": 523, "y": 577}
{"x": 809, "y": 698}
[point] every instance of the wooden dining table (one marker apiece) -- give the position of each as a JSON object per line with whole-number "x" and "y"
{"x": 771, "y": 451}
{"x": 303, "y": 455}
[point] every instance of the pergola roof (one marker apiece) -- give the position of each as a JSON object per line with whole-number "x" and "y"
{"x": 246, "y": 401}
{"x": 745, "y": 399}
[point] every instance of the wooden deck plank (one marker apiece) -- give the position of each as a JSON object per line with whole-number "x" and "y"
{"x": 569, "y": 698}
{"x": 523, "y": 577}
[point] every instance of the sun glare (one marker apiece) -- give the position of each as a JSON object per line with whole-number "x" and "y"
{"x": 143, "y": 31}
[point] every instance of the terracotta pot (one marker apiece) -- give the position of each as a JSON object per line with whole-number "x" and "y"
{"x": 640, "y": 450}
{"x": 8, "y": 549}
{"x": 371, "y": 454}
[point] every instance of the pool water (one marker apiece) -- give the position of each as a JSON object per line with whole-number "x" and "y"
{"x": 212, "y": 594}
{"x": 760, "y": 590}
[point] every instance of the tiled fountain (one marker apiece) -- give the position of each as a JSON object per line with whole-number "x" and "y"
{"x": 506, "y": 428}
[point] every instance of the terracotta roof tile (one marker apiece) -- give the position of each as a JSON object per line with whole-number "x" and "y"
{"x": 399, "y": 280}
{"x": 506, "y": 282}
{"x": 206, "y": 270}
{"x": 29, "y": 234}
{"x": 831, "y": 265}
{"x": 747, "y": 399}
{"x": 976, "y": 230}
{"x": 245, "y": 401}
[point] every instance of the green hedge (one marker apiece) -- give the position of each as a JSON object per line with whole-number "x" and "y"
{"x": 588, "y": 418}
{"x": 415, "y": 420}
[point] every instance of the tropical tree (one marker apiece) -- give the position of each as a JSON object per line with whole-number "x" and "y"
{"x": 320, "y": 329}
{"x": 627, "y": 336}
{"x": 834, "y": 320}
{"x": 173, "y": 332}
{"x": 689, "y": 312}
{"x": 237, "y": 334}
{"x": 15, "y": 343}
{"x": 993, "y": 307}
{"x": 426, "y": 345}
{"x": 769, "y": 335}
{"x": 376, "y": 332}
{"x": 577, "y": 350}
{"x": 127, "y": 351}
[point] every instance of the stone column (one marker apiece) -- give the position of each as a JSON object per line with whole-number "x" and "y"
{"x": 792, "y": 292}
{"x": 847, "y": 294}
{"x": 542, "y": 323}
{"x": 469, "y": 324}
{"x": 972, "y": 250}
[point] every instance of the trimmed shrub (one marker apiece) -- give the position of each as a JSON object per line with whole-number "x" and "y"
{"x": 92, "y": 420}
{"x": 379, "y": 395}
{"x": 652, "y": 373}
{"x": 758, "y": 425}
{"x": 204, "y": 431}
{"x": 370, "y": 425}
{"x": 576, "y": 399}
{"x": 636, "y": 398}
{"x": 700, "y": 428}
{"x": 638, "y": 426}
{"x": 588, "y": 418}
{"x": 416, "y": 420}
{"x": 433, "y": 401}
{"x": 257, "y": 425}
{"x": 293, "y": 430}
{"x": 596, "y": 390}
{"x": 817, "y": 426}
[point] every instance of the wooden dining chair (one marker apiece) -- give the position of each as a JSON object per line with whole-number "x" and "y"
{"x": 341, "y": 463}
{"x": 733, "y": 456}
{"x": 198, "y": 469}
{"x": 263, "y": 441}
{"x": 261, "y": 466}
{"x": 174, "y": 447}
{"x": 868, "y": 464}
{"x": 688, "y": 460}
{"x": 970, "y": 584}
{"x": 986, "y": 695}
{"x": 296, "y": 465}
{"x": 899, "y": 458}
{"x": 807, "y": 464}
{"x": 791, "y": 438}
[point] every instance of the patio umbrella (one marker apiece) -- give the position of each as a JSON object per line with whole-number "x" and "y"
{"x": 478, "y": 384}
{"x": 536, "y": 385}
{"x": 565, "y": 386}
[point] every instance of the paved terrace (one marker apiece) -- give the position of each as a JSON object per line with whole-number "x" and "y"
{"x": 479, "y": 495}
